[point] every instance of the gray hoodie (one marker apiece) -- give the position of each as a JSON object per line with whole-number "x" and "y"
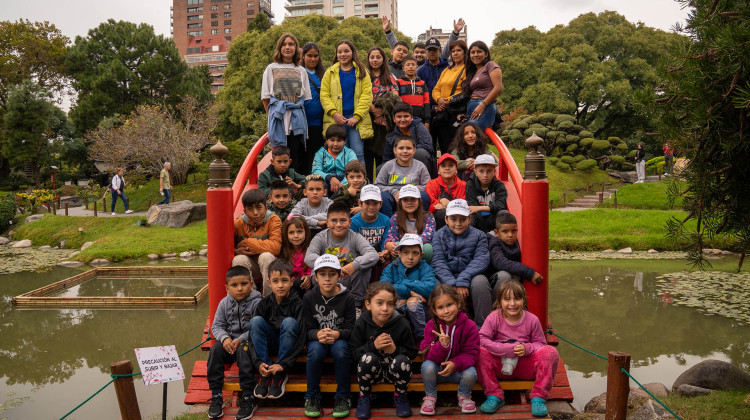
{"x": 312, "y": 215}
{"x": 232, "y": 317}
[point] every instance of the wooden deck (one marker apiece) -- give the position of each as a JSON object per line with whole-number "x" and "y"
{"x": 509, "y": 412}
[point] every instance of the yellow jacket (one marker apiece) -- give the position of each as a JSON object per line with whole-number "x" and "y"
{"x": 445, "y": 83}
{"x": 330, "y": 98}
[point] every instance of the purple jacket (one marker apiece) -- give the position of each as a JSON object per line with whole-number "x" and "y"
{"x": 464, "y": 348}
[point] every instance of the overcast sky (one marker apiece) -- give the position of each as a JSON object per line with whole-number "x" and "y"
{"x": 484, "y": 17}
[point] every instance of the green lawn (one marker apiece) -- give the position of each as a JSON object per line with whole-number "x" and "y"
{"x": 649, "y": 196}
{"x": 138, "y": 197}
{"x": 718, "y": 405}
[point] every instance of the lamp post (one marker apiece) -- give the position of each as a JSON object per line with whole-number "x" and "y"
{"x": 54, "y": 169}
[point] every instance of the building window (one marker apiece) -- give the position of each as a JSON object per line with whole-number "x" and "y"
{"x": 195, "y": 9}
{"x": 214, "y": 23}
{"x": 195, "y": 25}
{"x": 227, "y": 22}
{"x": 371, "y": 8}
{"x": 337, "y": 10}
{"x": 195, "y": 17}
{"x": 250, "y": 5}
{"x": 228, "y": 38}
{"x": 195, "y": 1}
{"x": 338, "y": 1}
{"x": 227, "y": 14}
{"x": 251, "y": 12}
{"x": 214, "y": 7}
{"x": 195, "y": 33}
{"x": 214, "y": 15}
{"x": 227, "y": 30}
{"x": 194, "y": 50}
{"x": 214, "y": 32}
{"x": 357, "y": 8}
{"x": 227, "y": 6}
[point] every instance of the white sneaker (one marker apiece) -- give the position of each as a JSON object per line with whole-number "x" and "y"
{"x": 128, "y": 211}
{"x": 113, "y": 213}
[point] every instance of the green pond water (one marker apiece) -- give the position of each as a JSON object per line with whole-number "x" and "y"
{"x": 51, "y": 360}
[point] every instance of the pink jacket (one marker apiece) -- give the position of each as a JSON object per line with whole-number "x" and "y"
{"x": 499, "y": 336}
{"x": 464, "y": 348}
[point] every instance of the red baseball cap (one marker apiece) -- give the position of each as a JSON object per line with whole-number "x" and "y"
{"x": 446, "y": 156}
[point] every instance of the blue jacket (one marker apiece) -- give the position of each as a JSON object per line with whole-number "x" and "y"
{"x": 327, "y": 166}
{"x": 431, "y": 74}
{"x": 420, "y": 279}
{"x": 458, "y": 258}
{"x": 276, "y": 130}
{"x": 507, "y": 258}
{"x": 417, "y": 131}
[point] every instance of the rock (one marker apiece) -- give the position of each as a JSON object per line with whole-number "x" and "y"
{"x": 714, "y": 374}
{"x": 691, "y": 391}
{"x": 204, "y": 246}
{"x": 44, "y": 248}
{"x": 99, "y": 262}
{"x": 153, "y": 256}
{"x": 651, "y": 410}
{"x": 41, "y": 209}
{"x": 711, "y": 251}
{"x": 608, "y": 251}
{"x": 63, "y": 243}
{"x": 652, "y": 251}
{"x": 562, "y": 251}
{"x": 11, "y": 243}
{"x": 169, "y": 255}
{"x": 627, "y": 250}
{"x": 4, "y": 240}
{"x": 561, "y": 410}
{"x": 86, "y": 245}
{"x": 70, "y": 264}
{"x": 22, "y": 244}
{"x": 726, "y": 252}
{"x": 598, "y": 404}
{"x": 187, "y": 254}
{"x": 629, "y": 176}
{"x": 552, "y": 251}
{"x": 74, "y": 254}
{"x": 203, "y": 252}
{"x": 72, "y": 200}
{"x": 657, "y": 388}
{"x": 34, "y": 217}
{"x": 176, "y": 214}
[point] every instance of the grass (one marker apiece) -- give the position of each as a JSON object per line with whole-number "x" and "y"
{"x": 116, "y": 239}
{"x": 138, "y": 197}
{"x": 718, "y": 405}
{"x": 649, "y": 196}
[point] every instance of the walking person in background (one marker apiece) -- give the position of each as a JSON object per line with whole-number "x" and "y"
{"x": 668, "y": 158}
{"x": 640, "y": 164}
{"x": 117, "y": 186}
{"x": 165, "y": 186}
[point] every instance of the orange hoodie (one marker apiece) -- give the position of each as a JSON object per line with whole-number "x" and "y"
{"x": 259, "y": 238}
{"x": 436, "y": 186}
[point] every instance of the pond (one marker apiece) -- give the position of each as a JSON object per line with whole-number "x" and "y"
{"x": 51, "y": 360}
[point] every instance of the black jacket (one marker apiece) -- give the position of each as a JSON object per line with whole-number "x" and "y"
{"x": 337, "y": 314}
{"x": 507, "y": 258}
{"x": 275, "y": 314}
{"x": 494, "y": 196}
{"x": 366, "y": 331}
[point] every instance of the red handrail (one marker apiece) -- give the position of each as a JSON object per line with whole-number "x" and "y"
{"x": 249, "y": 167}
{"x": 506, "y": 163}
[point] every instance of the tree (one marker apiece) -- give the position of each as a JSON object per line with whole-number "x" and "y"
{"x": 260, "y": 23}
{"x": 28, "y": 130}
{"x": 590, "y": 69}
{"x": 121, "y": 65}
{"x": 704, "y": 106}
{"x": 251, "y": 52}
{"x": 154, "y": 134}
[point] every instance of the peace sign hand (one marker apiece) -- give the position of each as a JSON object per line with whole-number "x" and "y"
{"x": 445, "y": 341}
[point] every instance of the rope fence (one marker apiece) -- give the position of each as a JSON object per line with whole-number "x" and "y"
{"x": 550, "y": 331}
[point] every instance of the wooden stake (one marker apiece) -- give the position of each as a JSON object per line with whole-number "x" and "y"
{"x": 618, "y": 386}
{"x": 550, "y": 205}
{"x": 125, "y": 390}
{"x": 95, "y": 208}
{"x": 601, "y": 197}
{"x": 104, "y": 203}
{"x": 54, "y": 209}
{"x": 587, "y": 185}
{"x": 149, "y": 203}
{"x": 66, "y": 208}
{"x": 615, "y": 198}
{"x": 86, "y": 203}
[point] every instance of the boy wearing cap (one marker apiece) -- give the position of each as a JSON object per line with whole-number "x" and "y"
{"x": 413, "y": 280}
{"x": 460, "y": 251}
{"x": 446, "y": 187}
{"x": 353, "y": 251}
{"x": 485, "y": 194}
{"x": 329, "y": 313}
{"x": 372, "y": 225}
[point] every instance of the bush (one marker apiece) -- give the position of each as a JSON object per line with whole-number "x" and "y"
{"x": 622, "y": 147}
{"x": 627, "y": 166}
{"x": 67, "y": 190}
{"x": 564, "y": 117}
{"x": 586, "y": 165}
{"x": 617, "y": 160}
{"x": 585, "y": 134}
{"x": 578, "y": 158}
{"x": 8, "y": 208}
{"x": 570, "y": 139}
{"x": 586, "y": 142}
{"x": 600, "y": 145}
{"x": 553, "y": 160}
{"x": 572, "y": 148}
{"x": 565, "y": 125}
{"x": 562, "y": 166}
{"x": 614, "y": 141}
{"x": 567, "y": 159}
{"x": 547, "y": 118}
{"x": 520, "y": 125}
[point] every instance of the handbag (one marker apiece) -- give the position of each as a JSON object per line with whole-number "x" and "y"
{"x": 456, "y": 104}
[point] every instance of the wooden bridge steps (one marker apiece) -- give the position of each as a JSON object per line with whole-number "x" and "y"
{"x": 509, "y": 412}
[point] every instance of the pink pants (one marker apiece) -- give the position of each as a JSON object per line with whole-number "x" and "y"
{"x": 540, "y": 366}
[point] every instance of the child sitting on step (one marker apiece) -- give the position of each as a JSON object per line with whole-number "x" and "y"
{"x": 512, "y": 345}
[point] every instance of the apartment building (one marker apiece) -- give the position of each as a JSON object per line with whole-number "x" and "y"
{"x": 344, "y": 8}
{"x": 440, "y": 35}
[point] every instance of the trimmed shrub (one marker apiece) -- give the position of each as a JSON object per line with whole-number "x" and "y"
{"x": 553, "y": 160}
{"x": 567, "y": 159}
{"x": 547, "y": 118}
{"x": 586, "y": 142}
{"x": 614, "y": 141}
{"x": 585, "y": 134}
{"x": 530, "y": 120}
{"x": 622, "y": 147}
{"x": 520, "y": 125}
{"x": 578, "y": 158}
{"x": 564, "y": 117}
{"x": 8, "y": 208}
{"x": 540, "y": 131}
{"x": 565, "y": 125}
{"x": 552, "y": 135}
{"x": 627, "y": 166}
{"x": 631, "y": 154}
{"x": 586, "y": 165}
{"x": 570, "y": 138}
{"x": 577, "y": 128}
{"x": 562, "y": 166}
{"x": 572, "y": 148}
{"x": 600, "y": 145}
{"x": 617, "y": 159}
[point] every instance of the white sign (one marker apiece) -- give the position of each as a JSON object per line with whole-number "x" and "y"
{"x": 159, "y": 364}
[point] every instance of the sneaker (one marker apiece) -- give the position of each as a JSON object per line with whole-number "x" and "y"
{"x": 113, "y": 213}
{"x": 492, "y": 404}
{"x": 428, "y": 406}
{"x": 261, "y": 390}
{"x": 216, "y": 409}
{"x": 278, "y": 383}
{"x": 401, "y": 402}
{"x": 247, "y": 408}
{"x": 363, "y": 407}
{"x": 312, "y": 407}
{"x": 467, "y": 405}
{"x": 342, "y": 407}
{"x": 128, "y": 211}
{"x": 538, "y": 408}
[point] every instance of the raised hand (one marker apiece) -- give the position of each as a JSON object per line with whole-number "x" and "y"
{"x": 458, "y": 25}
{"x": 445, "y": 341}
{"x": 386, "y": 23}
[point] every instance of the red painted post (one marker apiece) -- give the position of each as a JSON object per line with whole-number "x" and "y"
{"x": 535, "y": 228}
{"x": 502, "y": 171}
{"x": 220, "y": 227}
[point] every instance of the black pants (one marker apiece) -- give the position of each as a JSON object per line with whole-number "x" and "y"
{"x": 374, "y": 369}
{"x": 218, "y": 357}
{"x": 314, "y": 143}
{"x": 443, "y": 133}
{"x": 298, "y": 153}
{"x": 483, "y": 223}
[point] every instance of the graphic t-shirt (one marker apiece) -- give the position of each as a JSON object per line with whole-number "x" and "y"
{"x": 287, "y": 82}
{"x": 374, "y": 232}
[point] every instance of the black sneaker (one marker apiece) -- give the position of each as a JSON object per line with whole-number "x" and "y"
{"x": 342, "y": 407}
{"x": 312, "y": 407}
{"x": 216, "y": 409}
{"x": 403, "y": 409}
{"x": 261, "y": 390}
{"x": 363, "y": 407}
{"x": 278, "y": 383}
{"x": 247, "y": 408}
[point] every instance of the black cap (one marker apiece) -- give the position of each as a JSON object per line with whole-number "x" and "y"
{"x": 432, "y": 43}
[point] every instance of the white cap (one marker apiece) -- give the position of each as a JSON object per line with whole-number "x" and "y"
{"x": 327, "y": 260}
{"x": 409, "y": 191}
{"x": 370, "y": 192}
{"x": 485, "y": 160}
{"x": 408, "y": 240}
{"x": 457, "y": 206}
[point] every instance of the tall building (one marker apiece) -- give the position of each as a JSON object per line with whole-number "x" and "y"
{"x": 344, "y": 8}
{"x": 203, "y": 29}
{"x": 440, "y": 35}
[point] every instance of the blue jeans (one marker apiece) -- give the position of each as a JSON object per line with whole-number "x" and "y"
{"x": 354, "y": 142}
{"x": 430, "y": 377}
{"x": 487, "y": 118}
{"x": 417, "y": 318}
{"x": 167, "y": 194}
{"x": 342, "y": 364}
{"x": 114, "y": 199}
{"x": 267, "y": 340}
{"x": 389, "y": 203}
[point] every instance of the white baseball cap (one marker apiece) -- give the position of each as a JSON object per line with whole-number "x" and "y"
{"x": 370, "y": 192}
{"x": 327, "y": 260}
{"x": 408, "y": 240}
{"x": 409, "y": 191}
{"x": 458, "y": 206}
{"x": 485, "y": 160}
